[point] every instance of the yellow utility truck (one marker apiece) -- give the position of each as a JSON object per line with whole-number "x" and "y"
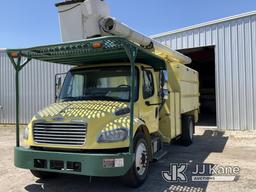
{"x": 124, "y": 100}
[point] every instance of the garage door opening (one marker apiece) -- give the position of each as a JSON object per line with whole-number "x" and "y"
{"x": 204, "y": 62}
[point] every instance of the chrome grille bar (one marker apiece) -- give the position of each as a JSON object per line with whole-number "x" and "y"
{"x": 58, "y": 133}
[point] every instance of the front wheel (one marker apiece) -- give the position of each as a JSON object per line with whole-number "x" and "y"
{"x": 137, "y": 174}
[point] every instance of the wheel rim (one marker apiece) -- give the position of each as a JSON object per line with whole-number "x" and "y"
{"x": 141, "y": 159}
{"x": 191, "y": 130}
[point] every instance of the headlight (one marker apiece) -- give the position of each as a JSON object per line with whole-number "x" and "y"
{"x": 26, "y": 133}
{"x": 114, "y": 135}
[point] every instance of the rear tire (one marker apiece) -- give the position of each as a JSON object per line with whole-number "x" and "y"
{"x": 137, "y": 174}
{"x": 187, "y": 130}
{"x": 43, "y": 174}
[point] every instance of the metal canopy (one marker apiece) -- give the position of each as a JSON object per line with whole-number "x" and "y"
{"x": 98, "y": 50}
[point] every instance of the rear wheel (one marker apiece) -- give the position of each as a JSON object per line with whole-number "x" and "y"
{"x": 43, "y": 174}
{"x": 137, "y": 174}
{"x": 187, "y": 130}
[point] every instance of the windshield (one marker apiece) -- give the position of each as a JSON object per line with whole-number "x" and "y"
{"x": 105, "y": 83}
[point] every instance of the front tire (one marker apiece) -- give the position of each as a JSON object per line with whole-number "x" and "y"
{"x": 43, "y": 174}
{"x": 137, "y": 174}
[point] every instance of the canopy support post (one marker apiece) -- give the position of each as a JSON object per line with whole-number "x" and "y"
{"x": 18, "y": 66}
{"x": 131, "y": 52}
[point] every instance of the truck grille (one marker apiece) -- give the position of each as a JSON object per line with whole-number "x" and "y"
{"x": 59, "y": 133}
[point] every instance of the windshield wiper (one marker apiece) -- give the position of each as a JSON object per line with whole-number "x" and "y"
{"x": 72, "y": 98}
{"x": 92, "y": 97}
{"x": 67, "y": 99}
{"x": 109, "y": 98}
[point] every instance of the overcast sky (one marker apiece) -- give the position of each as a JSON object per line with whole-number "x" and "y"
{"x": 27, "y": 23}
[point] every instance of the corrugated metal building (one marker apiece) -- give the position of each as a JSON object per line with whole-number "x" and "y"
{"x": 224, "y": 53}
{"x": 37, "y": 88}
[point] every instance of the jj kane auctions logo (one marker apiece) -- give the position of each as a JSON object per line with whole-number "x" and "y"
{"x": 202, "y": 172}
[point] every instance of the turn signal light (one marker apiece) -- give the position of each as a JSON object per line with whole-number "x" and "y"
{"x": 96, "y": 45}
{"x": 14, "y": 54}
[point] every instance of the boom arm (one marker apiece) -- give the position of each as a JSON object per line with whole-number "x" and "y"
{"x": 114, "y": 27}
{"x": 90, "y": 18}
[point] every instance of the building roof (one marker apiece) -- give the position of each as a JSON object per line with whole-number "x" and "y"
{"x": 247, "y": 14}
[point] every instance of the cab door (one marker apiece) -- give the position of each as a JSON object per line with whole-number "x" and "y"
{"x": 149, "y": 108}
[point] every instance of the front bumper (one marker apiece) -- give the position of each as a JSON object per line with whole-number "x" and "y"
{"x": 90, "y": 164}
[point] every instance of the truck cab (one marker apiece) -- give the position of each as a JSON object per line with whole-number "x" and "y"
{"x": 98, "y": 97}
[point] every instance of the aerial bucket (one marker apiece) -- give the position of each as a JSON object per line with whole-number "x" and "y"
{"x": 79, "y": 19}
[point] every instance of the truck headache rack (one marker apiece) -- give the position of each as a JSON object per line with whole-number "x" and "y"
{"x": 102, "y": 50}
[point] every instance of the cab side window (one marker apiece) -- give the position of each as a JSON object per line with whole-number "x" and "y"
{"x": 148, "y": 84}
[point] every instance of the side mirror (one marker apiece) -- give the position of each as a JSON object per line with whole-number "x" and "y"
{"x": 58, "y": 83}
{"x": 59, "y": 78}
{"x": 163, "y": 78}
{"x": 162, "y": 81}
{"x": 164, "y": 92}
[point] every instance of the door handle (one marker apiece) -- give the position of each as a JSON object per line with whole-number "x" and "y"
{"x": 150, "y": 104}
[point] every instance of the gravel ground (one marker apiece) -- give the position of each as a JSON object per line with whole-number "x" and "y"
{"x": 209, "y": 148}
